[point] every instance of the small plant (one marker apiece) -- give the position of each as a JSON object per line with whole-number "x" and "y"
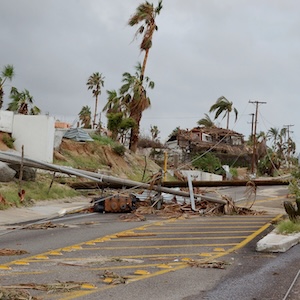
{"x": 288, "y": 227}
{"x": 119, "y": 149}
{"x": 8, "y": 141}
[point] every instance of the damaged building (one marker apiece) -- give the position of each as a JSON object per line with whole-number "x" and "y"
{"x": 226, "y": 144}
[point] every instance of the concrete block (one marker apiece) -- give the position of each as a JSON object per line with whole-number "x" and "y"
{"x": 274, "y": 242}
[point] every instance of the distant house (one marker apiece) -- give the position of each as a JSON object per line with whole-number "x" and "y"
{"x": 200, "y": 139}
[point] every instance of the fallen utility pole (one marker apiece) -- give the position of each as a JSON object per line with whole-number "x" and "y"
{"x": 183, "y": 184}
{"x": 97, "y": 177}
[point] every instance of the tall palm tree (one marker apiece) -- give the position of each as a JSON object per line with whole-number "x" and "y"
{"x": 145, "y": 13}
{"x": 6, "y": 74}
{"x": 22, "y": 102}
{"x": 135, "y": 99}
{"x": 223, "y": 105}
{"x": 206, "y": 122}
{"x": 94, "y": 83}
{"x": 85, "y": 116}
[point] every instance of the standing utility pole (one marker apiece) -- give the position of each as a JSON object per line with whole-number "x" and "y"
{"x": 254, "y": 154}
{"x": 288, "y": 139}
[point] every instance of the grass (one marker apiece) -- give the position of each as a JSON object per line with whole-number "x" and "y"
{"x": 288, "y": 227}
{"x": 34, "y": 190}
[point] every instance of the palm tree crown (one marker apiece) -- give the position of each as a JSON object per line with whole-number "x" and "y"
{"x": 223, "y": 105}
{"x": 146, "y": 14}
{"x": 206, "y": 122}
{"x": 22, "y": 102}
{"x": 134, "y": 98}
{"x": 94, "y": 83}
{"x": 7, "y": 73}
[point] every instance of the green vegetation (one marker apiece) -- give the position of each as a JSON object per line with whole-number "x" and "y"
{"x": 208, "y": 163}
{"x": 8, "y": 140}
{"x": 288, "y": 227}
{"x": 34, "y": 190}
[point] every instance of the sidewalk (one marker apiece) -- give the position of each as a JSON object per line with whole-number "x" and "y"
{"x": 42, "y": 210}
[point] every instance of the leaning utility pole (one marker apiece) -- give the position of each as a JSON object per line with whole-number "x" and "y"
{"x": 254, "y": 154}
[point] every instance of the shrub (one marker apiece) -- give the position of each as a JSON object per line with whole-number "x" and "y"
{"x": 288, "y": 227}
{"x": 8, "y": 141}
{"x": 119, "y": 149}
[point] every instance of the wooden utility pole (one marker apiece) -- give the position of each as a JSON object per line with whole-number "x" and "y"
{"x": 254, "y": 154}
{"x": 288, "y": 139}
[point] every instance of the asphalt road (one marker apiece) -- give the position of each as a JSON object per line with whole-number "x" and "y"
{"x": 175, "y": 259}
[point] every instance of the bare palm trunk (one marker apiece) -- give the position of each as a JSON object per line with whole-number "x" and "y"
{"x": 227, "y": 120}
{"x": 95, "y": 114}
{"x": 144, "y": 64}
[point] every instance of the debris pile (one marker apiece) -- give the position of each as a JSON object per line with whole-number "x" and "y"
{"x": 10, "y": 252}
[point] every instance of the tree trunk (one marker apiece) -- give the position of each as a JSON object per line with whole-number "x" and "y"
{"x": 134, "y": 136}
{"x": 95, "y": 114}
{"x": 292, "y": 211}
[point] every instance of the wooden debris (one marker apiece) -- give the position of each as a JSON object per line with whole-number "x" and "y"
{"x": 47, "y": 225}
{"x": 9, "y": 252}
{"x": 113, "y": 278}
{"x": 50, "y": 288}
{"x": 133, "y": 217}
{"x": 207, "y": 264}
{"x": 13, "y": 294}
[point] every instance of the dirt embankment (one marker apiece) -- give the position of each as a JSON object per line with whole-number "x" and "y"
{"x": 94, "y": 157}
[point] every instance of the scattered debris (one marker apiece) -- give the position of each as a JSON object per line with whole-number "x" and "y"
{"x": 50, "y": 288}
{"x": 13, "y": 294}
{"x": 113, "y": 278}
{"x": 208, "y": 264}
{"x": 9, "y": 252}
{"x": 133, "y": 217}
{"x": 48, "y": 225}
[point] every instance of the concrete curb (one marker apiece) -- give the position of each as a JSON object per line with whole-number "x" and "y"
{"x": 274, "y": 242}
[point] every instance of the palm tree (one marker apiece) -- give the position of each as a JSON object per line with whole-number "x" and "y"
{"x": 113, "y": 104}
{"x": 85, "y": 116}
{"x": 94, "y": 83}
{"x": 154, "y": 132}
{"x": 22, "y": 102}
{"x": 7, "y": 73}
{"x": 145, "y": 13}
{"x": 135, "y": 99}
{"x": 223, "y": 105}
{"x": 206, "y": 122}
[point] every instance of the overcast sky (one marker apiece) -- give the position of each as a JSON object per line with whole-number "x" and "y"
{"x": 243, "y": 50}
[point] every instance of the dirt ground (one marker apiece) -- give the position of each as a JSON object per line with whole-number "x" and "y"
{"x": 3, "y": 147}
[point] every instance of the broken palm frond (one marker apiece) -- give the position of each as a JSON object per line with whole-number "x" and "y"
{"x": 50, "y": 288}
{"x": 12, "y": 294}
{"x": 147, "y": 210}
{"x": 133, "y": 217}
{"x": 9, "y": 252}
{"x": 47, "y": 225}
{"x": 250, "y": 193}
{"x": 113, "y": 278}
{"x": 208, "y": 264}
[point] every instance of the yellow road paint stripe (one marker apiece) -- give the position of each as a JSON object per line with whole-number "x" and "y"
{"x": 5, "y": 268}
{"x": 159, "y": 246}
{"x": 200, "y": 232}
{"x": 180, "y": 239}
{"x": 21, "y": 263}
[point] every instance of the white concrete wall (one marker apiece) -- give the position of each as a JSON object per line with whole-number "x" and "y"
{"x": 36, "y": 133}
{"x": 202, "y": 176}
{"x": 6, "y": 121}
